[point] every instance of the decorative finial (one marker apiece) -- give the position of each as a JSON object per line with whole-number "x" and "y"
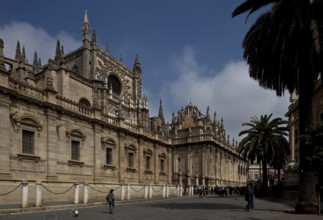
{"x": 18, "y": 52}
{"x": 137, "y": 66}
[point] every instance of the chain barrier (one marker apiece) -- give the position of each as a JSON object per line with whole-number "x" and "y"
{"x": 96, "y": 189}
{"x": 4, "y": 194}
{"x": 157, "y": 190}
{"x": 57, "y": 192}
{"x": 170, "y": 189}
{"x": 100, "y": 190}
{"x": 116, "y": 188}
{"x": 137, "y": 190}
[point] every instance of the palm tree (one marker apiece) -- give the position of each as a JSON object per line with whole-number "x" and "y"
{"x": 265, "y": 141}
{"x": 284, "y": 51}
{"x": 280, "y": 159}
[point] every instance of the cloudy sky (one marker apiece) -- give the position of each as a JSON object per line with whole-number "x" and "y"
{"x": 190, "y": 50}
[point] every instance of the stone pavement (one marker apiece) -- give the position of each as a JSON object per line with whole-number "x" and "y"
{"x": 188, "y": 208}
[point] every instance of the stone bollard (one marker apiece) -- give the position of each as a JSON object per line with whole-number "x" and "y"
{"x": 24, "y": 196}
{"x": 123, "y": 188}
{"x": 38, "y": 194}
{"x": 167, "y": 191}
{"x": 164, "y": 191}
{"x": 150, "y": 191}
{"x": 128, "y": 192}
{"x": 86, "y": 193}
{"x": 146, "y": 192}
{"x": 192, "y": 191}
{"x": 76, "y": 193}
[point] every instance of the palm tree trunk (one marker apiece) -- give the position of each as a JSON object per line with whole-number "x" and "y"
{"x": 307, "y": 201}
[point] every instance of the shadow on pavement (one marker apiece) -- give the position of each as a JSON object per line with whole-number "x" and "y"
{"x": 184, "y": 206}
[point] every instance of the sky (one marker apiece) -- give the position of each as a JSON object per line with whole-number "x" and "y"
{"x": 190, "y": 50}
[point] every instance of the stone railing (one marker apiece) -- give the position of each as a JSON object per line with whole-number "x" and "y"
{"x": 109, "y": 119}
{"x": 130, "y": 127}
{"x": 74, "y": 106}
{"x": 26, "y": 90}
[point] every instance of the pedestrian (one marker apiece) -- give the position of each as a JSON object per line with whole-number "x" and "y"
{"x": 200, "y": 192}
{"x": 249, "y": 197}
{"x": 110, "y": 201}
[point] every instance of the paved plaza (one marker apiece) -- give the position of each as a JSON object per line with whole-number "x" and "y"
{"x": 194, "y": 208}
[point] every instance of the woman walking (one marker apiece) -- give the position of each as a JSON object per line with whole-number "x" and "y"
{"x": 110, "y": 200}
{"x": 249, "y": 197}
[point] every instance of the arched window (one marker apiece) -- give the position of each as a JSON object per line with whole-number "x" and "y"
{"x": 75, "y": 69}
{"x": 84, "y": 103}
{"x": 115, "y": 83}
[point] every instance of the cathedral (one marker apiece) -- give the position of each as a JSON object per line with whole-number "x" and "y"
{"x": 82, "y": 117}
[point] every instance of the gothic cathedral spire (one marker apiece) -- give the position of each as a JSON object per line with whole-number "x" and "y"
{"x": 137, "y": 65}
{"x": 18, "y": 52}
{"x": 161, "y": 113}
{"x": 58, "y": 54}
{"x": 86, "y": 28}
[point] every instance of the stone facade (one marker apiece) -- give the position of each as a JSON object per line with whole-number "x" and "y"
{"x": 292, "y": 170}
{"x": 82, "y": 117}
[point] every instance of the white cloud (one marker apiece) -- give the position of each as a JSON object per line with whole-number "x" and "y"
{"x": 230, "y": 92}
{"x": 34, "y": 39}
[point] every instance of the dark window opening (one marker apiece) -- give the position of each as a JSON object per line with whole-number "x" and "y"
{"x": 130, "y": 160}
{"x": 108, "y": 156}
{"x": 27, "y": 142}
{"x": 75, "y": 154}
{"x": 115, "y": 83}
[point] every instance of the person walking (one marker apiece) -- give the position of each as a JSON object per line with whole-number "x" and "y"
{"x": 249, "y": 198}
{"x": 110, "y": 201}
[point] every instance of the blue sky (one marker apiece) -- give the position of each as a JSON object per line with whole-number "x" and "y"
{"x": 190, "y": 50}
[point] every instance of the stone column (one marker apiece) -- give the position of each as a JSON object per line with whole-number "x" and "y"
{"x": 164, "y": 191}
{"x": 52, "y": 140}
{"x": 204, "y": 162}
{"x": 128, "y": 192}
{"x": 86, "y": 193}
{"x": 123, "y": 157}
{"x": 146, "y": 192}
{"x": 24, "y": 196}
{"x": 6, "y": 131}
{"x": 178, "y": 189}
{"x": 180, "y": 179}
{"x": 76, "y": 193}
{"x": 150, "y": 191}
{"x": 189, "y": 161}
{"x": 38, "y": 194}
{"x": 123, "y": 189}
{"x": 196, "y": 179}
{"x": 167, "y": 191}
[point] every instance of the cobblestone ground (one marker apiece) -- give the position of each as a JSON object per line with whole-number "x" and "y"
{"x": 193, "y": 208}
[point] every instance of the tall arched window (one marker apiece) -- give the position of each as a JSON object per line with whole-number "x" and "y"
{"x": 115, "y": 83}
{"x": 84, "y": 103}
